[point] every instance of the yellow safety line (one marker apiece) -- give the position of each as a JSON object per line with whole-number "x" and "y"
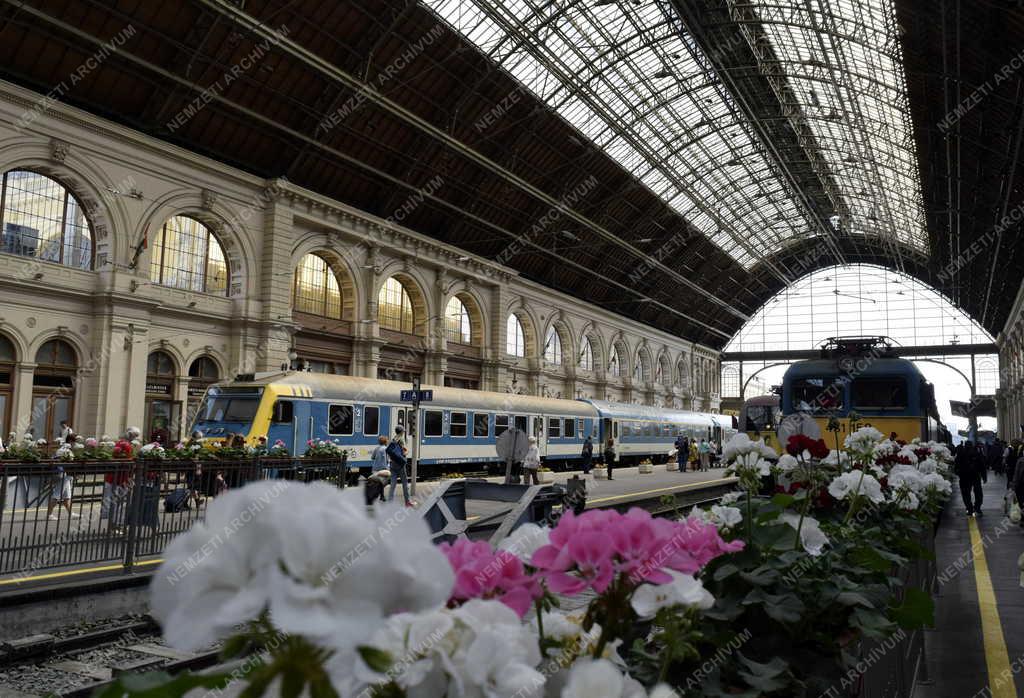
{"x": 87, "y": 570}
{"x": 676, "y": 488}
{"x": 997, "y": 658}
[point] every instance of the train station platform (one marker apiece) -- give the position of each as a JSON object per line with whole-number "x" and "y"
{"x": 976, "y": 649}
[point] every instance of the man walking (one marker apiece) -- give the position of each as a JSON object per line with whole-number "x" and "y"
{"x": 682, "y": 452}
{"x": 397, "y": 456}
{"x": 587, "y": 455}
{"x": 705, "y": 456}
{"x": 971, "y": 470}
{"x": 609, "y": 456}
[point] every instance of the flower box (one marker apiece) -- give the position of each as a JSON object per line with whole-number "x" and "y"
{"x": 672, "y": 466}
{"x": 646, "y": 468}
{"x": 545, "y": 476}
{"x": 600, "y": 473}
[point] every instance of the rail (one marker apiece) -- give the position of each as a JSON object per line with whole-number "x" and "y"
{"x": 58, "y": 514}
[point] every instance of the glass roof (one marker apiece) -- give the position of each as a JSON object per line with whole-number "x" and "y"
{"x": 631, "y": 79}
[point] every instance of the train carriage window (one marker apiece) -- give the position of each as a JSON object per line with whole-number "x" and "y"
{"x": 569, "y": 428}
{"x": 554, "y": 428}
{"x": 648, "y": 429}
{"x": 625, "y": 429}
{"x": 520, "y": 422}
{"x": 339, "y": 420}
{"x": 881, "y": 393}
{"x": 666, "y": 430}
{"x": 458, "y": 425}
{"x": 371, "y": 421}
{"x": 283, "y": 412}
{"x": 481, "y": 424}
{"x": 500, "y": 424}
{"x": 821, "y": 394}
{"x": 432, "y": 422}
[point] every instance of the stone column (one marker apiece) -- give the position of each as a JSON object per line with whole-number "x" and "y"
{"x": 274, "y": 290}
{"x": 21, "y": 402}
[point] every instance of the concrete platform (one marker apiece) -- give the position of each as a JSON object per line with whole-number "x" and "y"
{"x": 977, "y": 646}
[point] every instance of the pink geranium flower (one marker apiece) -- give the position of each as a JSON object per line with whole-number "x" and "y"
{"x": 481, "y": 573}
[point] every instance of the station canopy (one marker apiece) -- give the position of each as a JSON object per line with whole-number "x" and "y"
{"x": 676, "y": 161}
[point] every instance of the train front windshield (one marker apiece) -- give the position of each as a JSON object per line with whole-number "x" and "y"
{"x": 825, "y": 394}
{"x": 762, "y": 417}
{"x": 227, "y": 410}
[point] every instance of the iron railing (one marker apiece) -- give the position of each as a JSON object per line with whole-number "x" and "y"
{"x": 57, "y": 514}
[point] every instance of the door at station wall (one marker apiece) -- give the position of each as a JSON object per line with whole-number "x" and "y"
{"x": 163, "y": 420}
{"x": 47, "y": 413}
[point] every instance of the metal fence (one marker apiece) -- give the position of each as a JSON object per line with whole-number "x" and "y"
{"x": 56, "y": 514}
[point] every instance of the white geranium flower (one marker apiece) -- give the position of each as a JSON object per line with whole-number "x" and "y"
{"x": 740, "y": 443}
{"x": 663, "y": 690}
{"x": 908, "y": 453}
{"x": 731, "y": 497}
{"x": 726, "y": 517}
{"x": 937, "y": 482}
{"x": 847, "y": 484}
{"x": 877, "y": 470}
{"x": 863, "y": 440}
{"x": 683, "y": 590}
{"x": 524, "y": 541}
{"x": 590, "y": 678}
{"x": 906, "y": 476}
{"x": 338, "y": 572}
{"x": 811, "y": 536}
{"x": 905, "y": 499}
{"x": 788, "y": 462}
{"x": 888, "y": 447}
{"x": 699, "y": 514}
{"x": 927, "y": 465}
{"x": 839, "y": 458}
{"x": 214, "y": 577}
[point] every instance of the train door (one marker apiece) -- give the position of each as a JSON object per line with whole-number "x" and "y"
{"x": 283, "y": 425}
{"x": 303, "y": 427}
{"x": 540, "y": 431}
{"x": 400, "y": 416}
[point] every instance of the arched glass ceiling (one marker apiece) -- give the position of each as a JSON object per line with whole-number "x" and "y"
{"x": 856, "y": 301}
{"x": 631, "y": 79}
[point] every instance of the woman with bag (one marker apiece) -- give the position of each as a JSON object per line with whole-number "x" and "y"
{"x": 531, "y": 462}
{"x": 396, "y": 455}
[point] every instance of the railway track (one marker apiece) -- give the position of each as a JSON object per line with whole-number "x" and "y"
{"x": 76, "y": 665}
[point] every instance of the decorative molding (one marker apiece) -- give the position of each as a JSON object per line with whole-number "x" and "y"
{"x": 59, "y": 150}
{"x": 209, "y": 199}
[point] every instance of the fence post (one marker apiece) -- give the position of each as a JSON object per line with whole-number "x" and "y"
{"x": 134, "y": 517}
{"x": 343, "y": 468}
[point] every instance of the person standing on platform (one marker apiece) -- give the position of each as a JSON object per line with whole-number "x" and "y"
{"x": 609, "y": 456}
{"x": 704, "y": 451}
{"x": 531, "y": 462}
{"x": 67, "y": 434}
{"x": 396, "y": 454}
{"x": 682, "y": 451}
{"x": 971, "y": 470}
{"x": 1017, "y": 483}
{"x": 694, "y": 454}
{"x": 587, "y": 455}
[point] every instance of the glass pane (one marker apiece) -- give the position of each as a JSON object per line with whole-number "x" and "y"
{"x": 458, "y": 424}
{"x": 187, "y": 255}
{"x": 394, "y": 308}
{"x": 432, "y": 423}
{"x": 371, "y": 420}
{"x": 339, "y": 420}
{"x": 42, "y": 219}
{"x": 515, "y": 341}
{"x": 481, "y": 424}
{"x": 316, "y": 288}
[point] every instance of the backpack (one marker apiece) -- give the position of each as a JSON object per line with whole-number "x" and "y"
{"x": 395, "y": 454}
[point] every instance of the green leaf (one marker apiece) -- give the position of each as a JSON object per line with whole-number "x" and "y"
{"x": 852, "y": 598}
{"x": 234, "y": 646}
{"x": 322, "y": 688}
{"x": 871, "y": 623}
{"x": 378, "y": 660}
{"x": 783, "y": 500}
{"x": 785, "y": 608}
{"x": 917, "y": 610}
{"x": 762, "y": 576}
{"x": 764, "y": 676}
{"x": 159, "y": 684}
{"x": 292, "y": 681}
{"x": 724, "y": 571}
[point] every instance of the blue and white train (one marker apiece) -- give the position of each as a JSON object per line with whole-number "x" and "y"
{"x": 455, "y": 432}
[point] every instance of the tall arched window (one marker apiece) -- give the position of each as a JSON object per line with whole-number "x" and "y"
{"x": 53, "y": 388}
{"x": 8, "y": 357}
{"x": 515, "y": 340}
{"x": 163, "y": 412}
{"x": 186, "y": 254}
{"x": 553, "y": 347}
{"x": 456, "y": 322}
{"x": 614, "y": 364}
{"x": 394, "y": 307}
{"x": 40, "y": 218}
{"x": 586, "y": 354}
{"x": 317, "y": 291}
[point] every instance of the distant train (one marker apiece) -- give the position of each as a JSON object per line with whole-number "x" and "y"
{"x": 862, "y": 375}
{"x": 759, "y": 418}
{"x": 453, "y": 431}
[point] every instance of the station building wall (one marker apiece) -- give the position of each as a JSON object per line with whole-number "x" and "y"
{"x": 161, "y": 271}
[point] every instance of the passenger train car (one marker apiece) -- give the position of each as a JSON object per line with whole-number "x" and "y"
{"x": 860, "y": 375}
{"x": 456, "y": 429}
{"x": 759, "y": 419}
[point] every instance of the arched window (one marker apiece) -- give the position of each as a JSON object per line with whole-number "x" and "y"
{"x": 201, "y": 375}
{"x": 394, "y": 308}
{"x": 317, "y": 291}
{"x": 553, "y": 347}
{"x": 614, "y": 364}
{"x": 8, "y": 357}
{"x": 659, "y": 373}
{"x": 40, "y": 218}
{"x": 515, "y": 340}
{"x": 456, "y": 322}
{"x": 53, "y": 389}
{"x": 186, "y": 254}
{"x": 163, "y": 412}
{"x": 586, "y": 354}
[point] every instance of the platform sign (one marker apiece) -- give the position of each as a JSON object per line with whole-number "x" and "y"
{"x": 417, "y": 396}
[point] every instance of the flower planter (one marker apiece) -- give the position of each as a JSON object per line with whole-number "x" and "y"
{"x": 672, "y": 466}
{"x": 545, "y": 476}
{"x": 600, "y": 473}
{"x": 648, "y": 468}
